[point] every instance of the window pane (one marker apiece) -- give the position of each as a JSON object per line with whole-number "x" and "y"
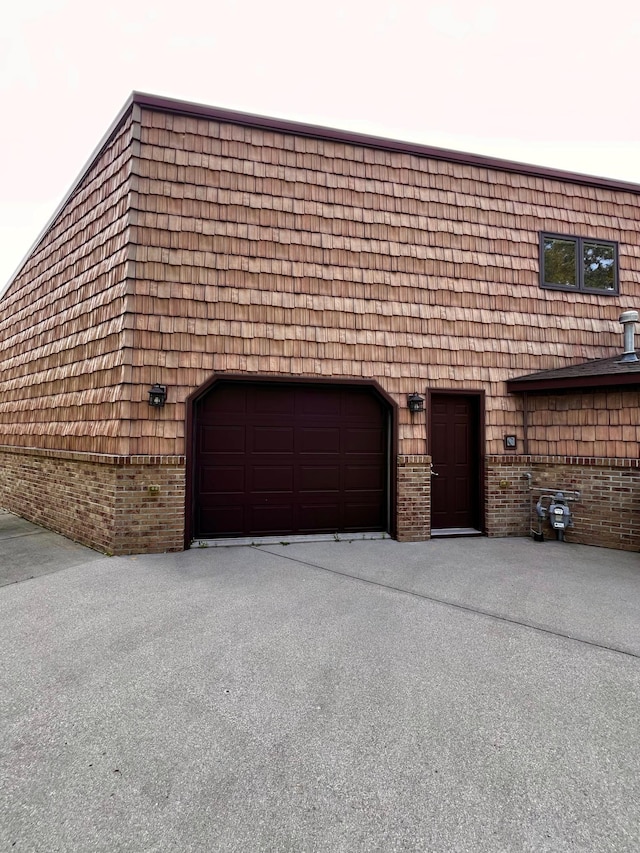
{"x": 560, "y": 262}
{"x": 599, "y": 266}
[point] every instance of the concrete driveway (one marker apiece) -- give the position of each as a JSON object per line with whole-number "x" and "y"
{"x": 460, "y": 695}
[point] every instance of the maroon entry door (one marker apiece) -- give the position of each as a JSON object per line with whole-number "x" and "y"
{"x": 455, "y": 453}
{"x": 282, "y": 459}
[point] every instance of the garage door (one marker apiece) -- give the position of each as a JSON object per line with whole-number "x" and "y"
{"x": 281, "y": 459}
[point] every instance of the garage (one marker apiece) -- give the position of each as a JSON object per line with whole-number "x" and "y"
{"x": 286, "y": 458}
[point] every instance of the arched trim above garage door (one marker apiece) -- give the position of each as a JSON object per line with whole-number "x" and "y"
{"x": 307, "y": 454}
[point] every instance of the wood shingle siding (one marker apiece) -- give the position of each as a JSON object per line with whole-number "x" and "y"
{"x": 595, "y": 424}
{"x": 63, "y": 321}
{"x": 264, "y": 253}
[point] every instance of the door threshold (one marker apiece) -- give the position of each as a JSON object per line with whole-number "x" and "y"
{"x": 303, "y": 538}
{"x": 452, "y": 532}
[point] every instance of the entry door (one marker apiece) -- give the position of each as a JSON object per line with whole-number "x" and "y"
{"x": 455, "y": 453}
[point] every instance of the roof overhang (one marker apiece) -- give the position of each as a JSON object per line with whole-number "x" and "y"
{"x": 186, "y": 108}
{"x": 575, "y": 383}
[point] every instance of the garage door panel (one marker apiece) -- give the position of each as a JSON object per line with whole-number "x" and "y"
{"x": 361, "y": 405}
{"x": 358, "y": 514}
{"x": 272, "y": 478}
{"x": 270, "y": 518}
{"x": 364, "y": 477}
{"x": 274, "y": 459}
{"x": 318, "y": 517}
{"x": 272, "y": 401}
{"x": 222, "y": 479}
{"x": 319, "y": 478}
{"x": 319, "y": 440}
{"x": 222, "y": 439}
{"x": 364, "y": 440}
{"x": 322, "y": 403}
{"x": 272, "y": 439}
{"x": 230, "y": 399}
{"x": 231, "y": 519}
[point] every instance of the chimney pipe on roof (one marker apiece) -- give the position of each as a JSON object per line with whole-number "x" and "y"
{"x": 628, "y": 320}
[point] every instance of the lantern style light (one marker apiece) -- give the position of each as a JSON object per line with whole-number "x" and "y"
{"x": 158, "y": 396}
{"x": 415, "y": 403}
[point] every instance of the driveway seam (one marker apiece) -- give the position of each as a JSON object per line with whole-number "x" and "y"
{"x": 20, "y": 535}
{"x": 447, "y": 603}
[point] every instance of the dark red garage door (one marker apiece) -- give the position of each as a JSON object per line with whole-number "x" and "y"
{"x": 279, "y": 459}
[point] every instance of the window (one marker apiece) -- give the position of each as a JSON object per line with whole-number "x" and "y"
{"x": 578, "y": 263}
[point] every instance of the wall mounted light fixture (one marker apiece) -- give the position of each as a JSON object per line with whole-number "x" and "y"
{"x": 158, "y": 396}
{"x": 415, "y": 403}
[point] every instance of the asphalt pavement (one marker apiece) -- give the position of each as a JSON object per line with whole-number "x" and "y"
{"x": 454, "y": 695}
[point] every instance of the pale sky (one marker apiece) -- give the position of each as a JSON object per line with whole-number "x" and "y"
{"x": 551, "y": 83}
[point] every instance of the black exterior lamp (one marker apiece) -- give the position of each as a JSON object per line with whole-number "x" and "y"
{"x": 415, "y": 403}
{"x": 158, "y": 396}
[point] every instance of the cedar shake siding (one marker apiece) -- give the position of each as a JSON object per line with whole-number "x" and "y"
{"x": 63, "y": 338}
{"x": 267, "y": 253}
{"x": 593, "y": 423}
{"x": 204, "y": 245}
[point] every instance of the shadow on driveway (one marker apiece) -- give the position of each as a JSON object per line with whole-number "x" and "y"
{"x": 28, "y": 551}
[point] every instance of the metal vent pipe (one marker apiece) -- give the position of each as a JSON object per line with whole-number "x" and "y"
{"x": 628, "y": 320}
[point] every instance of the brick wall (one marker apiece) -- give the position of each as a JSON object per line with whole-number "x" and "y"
{"x": 413, "y": 498}
{"x": 107, "y": 503}
{"x": 507, "y": 495}
{"x": 149, "y": 506}
{"x": 101, "y": 501}
{"x": 110, "y": 503}
{"x": 607, "y": 513}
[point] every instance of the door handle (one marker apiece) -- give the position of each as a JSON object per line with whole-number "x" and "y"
{"x": 435, "y": 474}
